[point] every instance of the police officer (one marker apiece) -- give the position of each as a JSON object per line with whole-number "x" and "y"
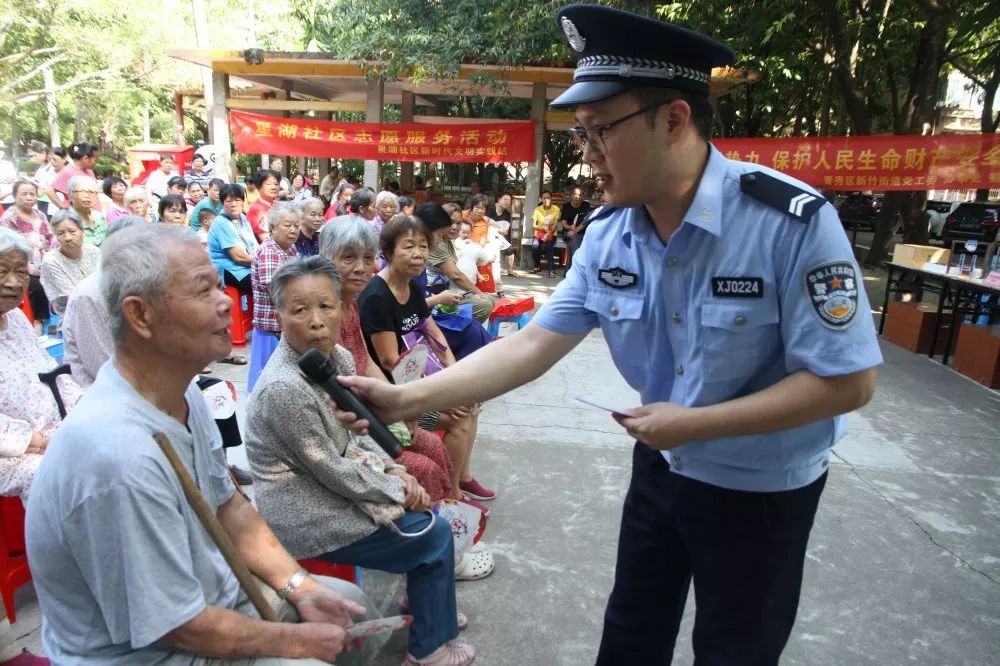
{"x": 730, "y": 299}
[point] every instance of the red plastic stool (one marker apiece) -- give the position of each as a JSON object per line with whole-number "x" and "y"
{"x": 323, "y": 568}
{"x": 14, "y": 571}
{"x": 242, "y": 319}
{"x": 26, "y": 309}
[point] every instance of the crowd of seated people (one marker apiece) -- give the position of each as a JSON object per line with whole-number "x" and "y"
{"x": 367, "y": 289}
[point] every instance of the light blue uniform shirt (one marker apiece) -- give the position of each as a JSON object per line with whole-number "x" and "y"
{"x": 741, "y": 296}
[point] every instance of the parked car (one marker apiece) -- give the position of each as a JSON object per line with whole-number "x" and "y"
{"x": 978, "y": 220}
{"x": 860, "y": 209}
{"x": 937, "y": 213}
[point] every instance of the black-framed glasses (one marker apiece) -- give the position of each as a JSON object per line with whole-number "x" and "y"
{"x": 594, "y": 136}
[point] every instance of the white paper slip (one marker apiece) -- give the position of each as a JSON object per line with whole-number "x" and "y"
{"x": 605, "y": 406}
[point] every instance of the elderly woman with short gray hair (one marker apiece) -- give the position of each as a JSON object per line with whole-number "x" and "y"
{"x": 137, "y": 201}
{"x": 75, "y": 259}
{"x": 319, "y": 487}
{"x": 350, "y": 243}
{"x": 282, "y": 220}
{"x": 311, "y": 212}
{"x": 29, "y": 414}
{"x": 83, "y": 199}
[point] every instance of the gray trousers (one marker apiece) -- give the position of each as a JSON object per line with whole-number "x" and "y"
{"x": 286, "y": 612}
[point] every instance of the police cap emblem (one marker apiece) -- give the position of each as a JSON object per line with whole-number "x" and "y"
{"x": 832, "y": 289}
{"x": 576, "y": 40}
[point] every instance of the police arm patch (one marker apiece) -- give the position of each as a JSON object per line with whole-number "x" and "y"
{"x": 833, "y": 292}
{"x": 618, "y": 278}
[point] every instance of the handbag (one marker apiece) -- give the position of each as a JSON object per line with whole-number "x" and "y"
{"x": 421, "y": 336}
{"x": 466, "y": 521}
{"x": 383, "y": 514}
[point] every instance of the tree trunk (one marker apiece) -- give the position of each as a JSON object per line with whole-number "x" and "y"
{"x": 918, "y": 112}
{"x": 50, "y": 107}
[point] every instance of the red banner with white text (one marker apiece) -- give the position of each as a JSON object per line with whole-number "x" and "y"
{"x": 510, "y": 141}
{"x": 880, "y": 163}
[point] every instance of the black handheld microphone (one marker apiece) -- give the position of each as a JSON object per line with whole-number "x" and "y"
{"x": 318, "y": 368}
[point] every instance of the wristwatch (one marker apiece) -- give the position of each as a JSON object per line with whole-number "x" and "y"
{"x": 297, "y": 579}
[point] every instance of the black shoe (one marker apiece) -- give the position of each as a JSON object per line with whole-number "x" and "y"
{"x": 241, "y": 476}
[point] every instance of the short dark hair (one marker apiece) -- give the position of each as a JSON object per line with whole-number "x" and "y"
{"x": 109, "y": 182}
{"x": 177, "y": 181}
{"x": 433, "y": 216}
{"x": 194, "y": 182}
{"x": 361, "y": 198}
{"x": 702, "y": 114}
{"x": 167, "y": 156}
{"x": 198, "y": 157}
{"x": 405, "y": 201}
{"x": 216, "y": 182}
{"x": 21, "y": 183}
{"x": 261, "y": 176}
{"x": 397, "y": 227}
{"x": 232, "y": 191}
{"x": 38, "y": 147}
{"x": 59, "y": 150}
{"x": 83, "y": 149}
{"x": 171, "y": 201}
{"x": 477, "y": 200}
{"x": 206, "y": 213}
{"x": 544, "y": 192}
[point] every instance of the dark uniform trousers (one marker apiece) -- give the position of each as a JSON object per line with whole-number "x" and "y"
{"x": 745, "y": 551}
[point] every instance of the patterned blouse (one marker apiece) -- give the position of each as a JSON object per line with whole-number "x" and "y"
{"x": 26, "y": 405}
{"x": 60, "y": 274}
{"x": 34, "y": 228}
{"x": 266, "y": 260}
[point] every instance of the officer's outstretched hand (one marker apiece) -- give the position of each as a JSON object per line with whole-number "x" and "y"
{"x": 660, "y": 425}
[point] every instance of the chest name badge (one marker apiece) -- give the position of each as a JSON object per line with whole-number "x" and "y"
{"x": 738, "y": 287}
{"x": 833, "y": 291}
{"x": 618, "y": 278}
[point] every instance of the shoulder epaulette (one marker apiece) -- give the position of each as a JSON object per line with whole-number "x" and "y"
{"x": 600, "y": 212}
{"x": 781, "y": 195}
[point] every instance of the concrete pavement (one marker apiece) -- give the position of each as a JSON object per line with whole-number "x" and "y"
{"x": 903, "y": 564}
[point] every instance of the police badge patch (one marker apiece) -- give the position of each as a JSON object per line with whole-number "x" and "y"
{"x": 618, "y": 278}
{"x": 576, "y": 40}
{"x": 833, "y": 292}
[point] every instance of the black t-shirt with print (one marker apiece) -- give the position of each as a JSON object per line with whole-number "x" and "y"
{"x": 380, "y": 311}
{"x": 569, "y": 214}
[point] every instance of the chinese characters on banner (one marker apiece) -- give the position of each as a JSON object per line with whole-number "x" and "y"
{"x": 879, "y": 163}
{"x": 511, "y": 141}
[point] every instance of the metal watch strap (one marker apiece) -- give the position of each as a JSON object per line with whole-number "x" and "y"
{"x": 297, "y": 579}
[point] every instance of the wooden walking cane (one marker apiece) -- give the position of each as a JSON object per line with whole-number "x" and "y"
{"x": 216, "y": 531}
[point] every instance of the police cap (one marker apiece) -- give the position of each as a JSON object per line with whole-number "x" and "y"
{"x": 619, "y": 50}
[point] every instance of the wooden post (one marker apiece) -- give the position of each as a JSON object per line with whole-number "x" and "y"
{"x": 219, "y": 125}
{"x": 179, "y": 118}
{"x": 536, "y": 170}
{"x": 373, "y": 114}
{"x": 406, "y": 116}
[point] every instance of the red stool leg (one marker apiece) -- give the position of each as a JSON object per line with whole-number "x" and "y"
{"x": 238, "y": 328}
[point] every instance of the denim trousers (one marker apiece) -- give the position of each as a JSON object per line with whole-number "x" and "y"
{"x": 429, "y": 564}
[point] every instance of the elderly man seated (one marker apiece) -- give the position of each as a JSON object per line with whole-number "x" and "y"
{"x": 332, "y": 495}
{"x": 124, "y": 571}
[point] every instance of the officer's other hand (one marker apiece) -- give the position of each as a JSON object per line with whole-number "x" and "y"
{"x": 660, "y": 425}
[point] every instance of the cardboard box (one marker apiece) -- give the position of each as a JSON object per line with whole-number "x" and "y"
{"x": 911, "y": 326}
{"x": 917, "y": 255}
{"x": 977, "y": 354}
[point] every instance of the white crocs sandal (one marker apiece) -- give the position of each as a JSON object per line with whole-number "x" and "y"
{"x": 475, "y": 565}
